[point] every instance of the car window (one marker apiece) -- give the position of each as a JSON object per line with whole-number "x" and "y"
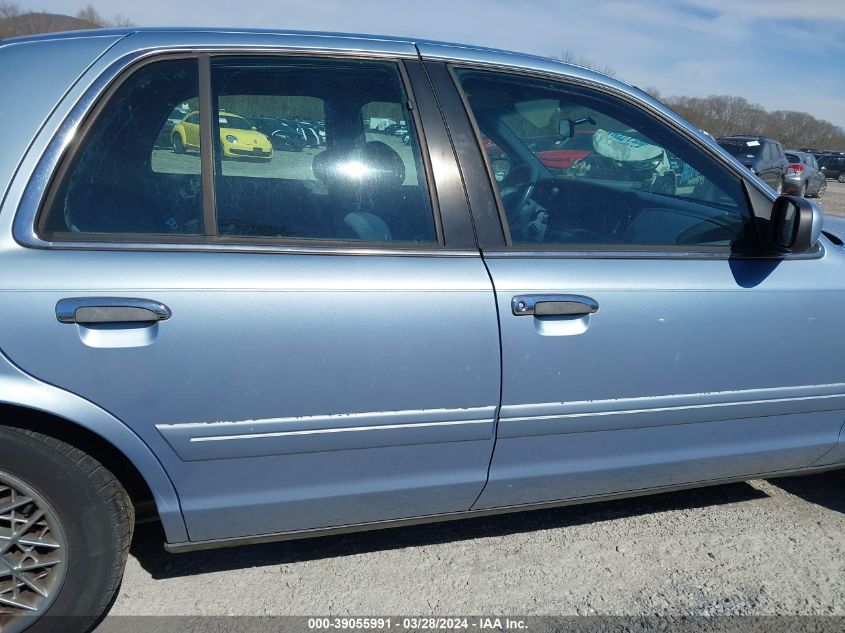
{"x": 793, "y": 158}
{"x": 636, "y": 182}
{"x": 293, "y": 157}
{"x": 333, "y": 169}
{"x": 741, "y": 148}
{"x": 138, "y": 170}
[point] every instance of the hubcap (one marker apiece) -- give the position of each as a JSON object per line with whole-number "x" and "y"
{"x": 32, "y": 553}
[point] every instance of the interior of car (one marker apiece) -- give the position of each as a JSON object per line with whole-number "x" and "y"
{"x": 354, "y": 188}
{"x": 638, "y": 185}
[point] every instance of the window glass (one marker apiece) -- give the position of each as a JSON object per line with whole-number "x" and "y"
{"x": 132, "y": 175}
{"x": 317, "y": 149}
{"x": 577, "y": 167}
{"x": 741, "y": 148}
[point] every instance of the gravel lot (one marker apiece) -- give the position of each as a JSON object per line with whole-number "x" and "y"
{"x": 758, "y": 548}
{"x": 833, "y": 200}
{"x": 761, "y": 548}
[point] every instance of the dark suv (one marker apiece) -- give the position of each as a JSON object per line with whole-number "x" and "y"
{"x": 764, "y": 156}
{"x": 833, "y": 167}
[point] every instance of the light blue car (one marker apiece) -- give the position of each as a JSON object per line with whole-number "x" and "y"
{"x": 372, "y": 332}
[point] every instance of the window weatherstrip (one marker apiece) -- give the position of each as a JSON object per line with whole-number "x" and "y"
{"x": 207, "y": 170}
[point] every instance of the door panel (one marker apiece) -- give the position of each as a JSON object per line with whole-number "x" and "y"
{"x": 679, "y": 376}
{"x": 661, "y": 350}
{"x": 285, "y": 392}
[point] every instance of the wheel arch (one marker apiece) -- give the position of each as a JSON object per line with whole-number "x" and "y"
{"x": 28, "y": 403}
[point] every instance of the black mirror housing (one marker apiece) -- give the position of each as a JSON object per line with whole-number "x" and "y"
{"x": 796, "y": 224}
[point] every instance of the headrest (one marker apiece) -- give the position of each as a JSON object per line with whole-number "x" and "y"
{"x": 375, "y": 165}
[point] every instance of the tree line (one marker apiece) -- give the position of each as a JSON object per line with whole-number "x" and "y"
{"x": 724, "y": 115}
{"x": 15, "y": 21}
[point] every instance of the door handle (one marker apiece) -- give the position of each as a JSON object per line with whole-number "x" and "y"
{"x": 553, "y": 305}
{"x": 93, "y": 310}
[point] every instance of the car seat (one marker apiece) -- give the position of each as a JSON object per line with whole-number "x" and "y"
{"x": 361, "y": 183}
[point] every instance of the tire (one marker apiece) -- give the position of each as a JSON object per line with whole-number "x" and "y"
{"x": 85, "y": 531}
{"x": 178, "y": 145}
{"x": 841, "y": 177}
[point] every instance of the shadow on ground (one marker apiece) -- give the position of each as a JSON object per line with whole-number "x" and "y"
{"x": 147, "y": 544}
{"x": 824, "y": 489}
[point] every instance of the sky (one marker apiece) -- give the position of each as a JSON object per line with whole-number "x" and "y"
{"x": 782, "y": 54}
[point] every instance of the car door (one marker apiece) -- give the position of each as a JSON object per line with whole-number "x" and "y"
{"x": 815, "y": 183}
{"x": 307, "y": 342}
{"x": 647, "y": 341}
{"x": 769, "y": 168}
{"x": 191, "y": 125}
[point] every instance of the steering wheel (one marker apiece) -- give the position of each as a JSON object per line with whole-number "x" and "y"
{"x": 515, "y": 193}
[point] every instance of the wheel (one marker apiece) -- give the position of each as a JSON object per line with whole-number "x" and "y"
{"x": 178, "y": 145}
{"x": 841, "y": 177}
{"x": 65, "y": 528}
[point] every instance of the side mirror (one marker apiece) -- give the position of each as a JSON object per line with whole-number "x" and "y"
{"x": 796, "y": 224}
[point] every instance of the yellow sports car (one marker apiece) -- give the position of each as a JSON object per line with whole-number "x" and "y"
{"x": 238, "y": 137}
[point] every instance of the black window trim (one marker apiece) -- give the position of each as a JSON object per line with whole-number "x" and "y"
{"x": 72, "y": 133}
{"x": 565, "y": 251}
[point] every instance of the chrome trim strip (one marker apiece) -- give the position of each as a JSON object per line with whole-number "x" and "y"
{"x": 589, "y": 416}
{"x": 194, "y": 441}
{"x": 192, "y": 546}
{"x": 346, "y": 429}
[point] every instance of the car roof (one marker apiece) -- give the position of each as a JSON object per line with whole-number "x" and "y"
{"x": 743, "y": 137}
{"x": 435, "y": 47}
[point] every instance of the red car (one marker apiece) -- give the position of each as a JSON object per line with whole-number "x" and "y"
{"x": 569, "y": 151}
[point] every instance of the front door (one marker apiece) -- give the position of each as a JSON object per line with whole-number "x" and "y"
{"x": 297, "y": 339}
{"x": 646, "y": 342}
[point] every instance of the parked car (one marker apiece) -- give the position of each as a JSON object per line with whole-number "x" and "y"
{"x": 803, "y": 177}
{"x": 238, "y": 137}
{"x": 309, "y": 131}
{"x": 247, "y": 354}
{"x": 567, "y": 152}
{"x": 764, "y": 156}
{"x": 165, "y": 133}
{"x": 282, "y": 135}
{"x": 833, "y": 167}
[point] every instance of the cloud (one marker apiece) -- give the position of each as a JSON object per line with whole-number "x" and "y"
{"x": 767, "y": 51}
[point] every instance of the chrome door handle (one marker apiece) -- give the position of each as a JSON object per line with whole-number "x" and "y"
{"x": 553, "y": 305}
{"x": 93, "y": 310}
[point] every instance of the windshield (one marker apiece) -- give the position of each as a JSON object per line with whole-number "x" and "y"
{"x": 741, "y": 148}
{"x": 234, "y": 122}
{"x": 793, "y": 158}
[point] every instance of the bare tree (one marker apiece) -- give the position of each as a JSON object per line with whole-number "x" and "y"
{"x": 9, "y": 10}
{"x": 571, "y": 57}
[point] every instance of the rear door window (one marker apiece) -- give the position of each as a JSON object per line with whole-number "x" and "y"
{"x": 351, "y": 176}
{"x": 128, "y": 177}
{"x": 301, "y": 148}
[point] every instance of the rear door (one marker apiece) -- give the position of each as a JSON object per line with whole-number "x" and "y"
{"x": 305, "y": 342}
{"x": 646, "y": 341}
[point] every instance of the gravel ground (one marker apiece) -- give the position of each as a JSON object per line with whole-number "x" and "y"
{"x": 833, "y": 200}
{"x": 757, "y": 548}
